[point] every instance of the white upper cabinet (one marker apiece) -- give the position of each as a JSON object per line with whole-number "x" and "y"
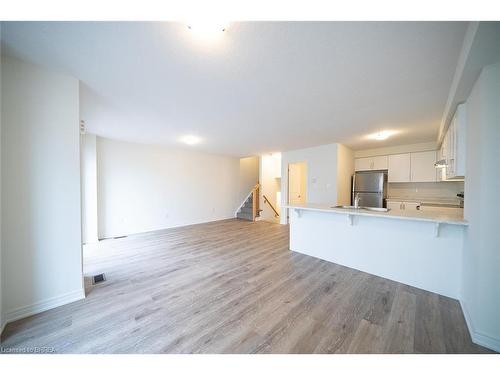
{"x": 399, "y": 168}
{"x": 452, "y": 149}
{"x": 455, "y": 135}
{"x": 380, "y": 162}
{"x": 422, "y": 166}
{"x": 419, "y": 166}
{"x": 362, "y": 164}
{"x": 371, "y": 164}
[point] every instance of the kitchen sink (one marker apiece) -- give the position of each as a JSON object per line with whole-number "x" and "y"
{"x": 375, "y": 209}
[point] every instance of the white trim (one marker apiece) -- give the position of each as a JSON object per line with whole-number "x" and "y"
{"x": 166, "y": 228}
{"x": 479, "y": 338}
{"x": 38, "y": 307}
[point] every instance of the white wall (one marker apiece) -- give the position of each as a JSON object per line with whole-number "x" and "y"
{"x": 89, "y": 187}
{"x": 321, "y": 174}
{"x": 41, "y": 222}
{"x": 249, "y": 175}
{"x": 145, "y": 187}
{"x": 270, "y": 170}
{"x": 345, "y": 170}
{"x": 481, "y": 275}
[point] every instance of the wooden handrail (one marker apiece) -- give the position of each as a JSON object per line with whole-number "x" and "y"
{"x": 276, "y": 214}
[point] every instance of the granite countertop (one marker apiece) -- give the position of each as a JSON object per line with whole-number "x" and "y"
{"x": 439, "y": 217}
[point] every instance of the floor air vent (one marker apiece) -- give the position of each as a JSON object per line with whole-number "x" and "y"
{"x": 96, "y": 279}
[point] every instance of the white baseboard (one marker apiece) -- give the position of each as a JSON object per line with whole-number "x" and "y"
{"x": 38, "y": 307}
{"x": 477, "y": 337}
{"x": 149, "y": 231}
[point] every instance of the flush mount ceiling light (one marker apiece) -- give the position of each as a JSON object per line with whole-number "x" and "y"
{"x": 382, "y": 135}
{"x": 207, "y": 27}
{"x": 190, "y": 140}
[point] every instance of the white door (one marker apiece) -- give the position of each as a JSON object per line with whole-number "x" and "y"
{"x": 399, "y": 168}
{"x": 297, "y": 183}
{"x": 422, "y": 166}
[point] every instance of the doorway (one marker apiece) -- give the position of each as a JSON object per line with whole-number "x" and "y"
{"x": 297, "y": 183}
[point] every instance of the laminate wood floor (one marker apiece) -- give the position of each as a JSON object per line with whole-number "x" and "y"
{"x": 234, "y": 287}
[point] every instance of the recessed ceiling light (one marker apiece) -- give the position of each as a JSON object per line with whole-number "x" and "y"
{"x": 190, "y": 140}
{"x": 383, "y": 135}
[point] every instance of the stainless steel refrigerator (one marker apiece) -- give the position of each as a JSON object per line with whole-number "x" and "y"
{"x": 370, "y": 187}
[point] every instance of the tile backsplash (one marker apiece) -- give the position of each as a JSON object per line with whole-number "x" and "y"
{"x": 445, "y": 191}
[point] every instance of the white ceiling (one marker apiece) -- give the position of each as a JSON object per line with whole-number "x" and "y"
{"x": 259, "y": 87}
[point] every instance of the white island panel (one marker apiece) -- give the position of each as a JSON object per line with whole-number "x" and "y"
{"x": 406, "y": 251}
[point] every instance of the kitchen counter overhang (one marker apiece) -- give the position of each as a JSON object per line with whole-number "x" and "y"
{"x": 433, "y": 217}
{"x": 422, "y": 249}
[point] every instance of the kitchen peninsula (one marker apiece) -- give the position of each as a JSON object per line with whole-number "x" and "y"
{"x": 421, "y": 249}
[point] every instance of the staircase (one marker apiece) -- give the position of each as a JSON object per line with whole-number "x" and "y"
{"x": 249, "y": 210}
{"x": 246, "y": 211}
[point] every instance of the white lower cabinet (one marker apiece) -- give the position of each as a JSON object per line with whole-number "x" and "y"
{"x": 411, "y": 206}
{"x": 392, "y": 205}
{"x": 402, "y": 205}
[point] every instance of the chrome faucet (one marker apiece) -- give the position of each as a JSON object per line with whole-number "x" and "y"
{"x": 356, "y": 200}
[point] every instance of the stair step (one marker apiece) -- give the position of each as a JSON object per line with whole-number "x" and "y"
{"x": 244, "y": 216}
{"x": 247, "y": 210}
